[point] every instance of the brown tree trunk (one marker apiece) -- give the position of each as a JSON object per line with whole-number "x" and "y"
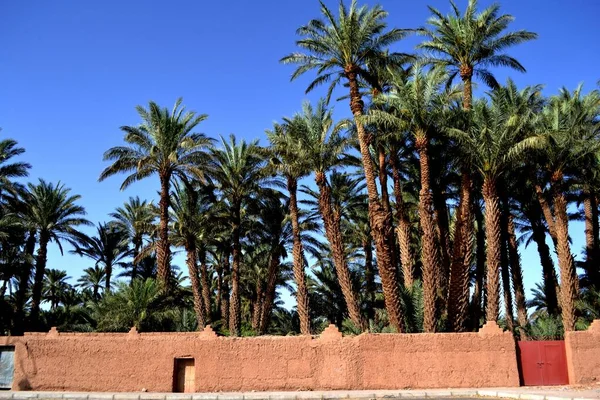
{"x": 429, "y": 250}
{"x": 38, "y": 280}
{"x": 550, "y": 280}
{"x": 458, "y": 296}
{"x": 517, "y": 274}
{"x": 591, "y": 236}
{"x": 505, "y": 269}
{"x": 331, "y": 221}
{"x": 547, "y": 212}
{"x": 267, "y": 307}
{"x": 385, "y": 201}
{"x": 21, "y": 295}
{"x": 443, "y": 232}
{"x": 226, "y": 274}
{"x": 403, "y": 229}
{"x": 298, "y": 260}
{"x": 235, "y": 318}
{"x": 466, "y": 74}
{"x": 137, "y": 245}
{"x": 192, "y": 263}
{"x": 205, "y": 285}
{"x": 163, "y": 250}
{"x": 493, "y": 254}
{"x": 369, "y": 278}
{"x": 476, "y": 302}
{"x": 380, "y": 221}
{"x": 568, "y": 287}
{"x": 258, "y": 307}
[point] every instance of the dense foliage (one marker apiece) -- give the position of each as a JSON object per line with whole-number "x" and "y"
{"x": 408, "y": 217}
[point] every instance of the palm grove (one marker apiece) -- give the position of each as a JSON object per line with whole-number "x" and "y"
{"x": 408, "y": 217}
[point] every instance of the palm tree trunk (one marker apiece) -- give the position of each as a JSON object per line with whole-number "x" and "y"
{"x": 466, "y": 74}
{"x": 192, "y": 263}
{"x": 538, "y": 233}
{"x": 403, "y": 229}
{"x": 568, "y": 287}
{"x": 442, "y": 226}
{"x": 505, "y": 268}
{"x": 493, "y": 254}
{"x": 385, "y": 201}
{"x": 163, "y": 251}
{"x": 24, "y": 274}
{"x": 517, "y": 274}
{"x": 458, "y": 296}
{"x": 205, "y": 285}
{"x": 226, "y": 275}
{"x": 258, "y": 307}
{"x": 547, "y": 212}
{"x": 235, "y": 318}
{"x": 219, "y": 270}
{"x": 380, "y": 221}
{"x": 298, "y": 260}
{"x": 331, "y": 221}
{"x": 40, "y": 270}
{"x": 591, "y": 236}
{"x": 370, "y": 288}
{"x": 478, "y": 290}
{"x": 267, "y": 306}
{"x": 429, "y": 250}
{"x": 137, "y": 245}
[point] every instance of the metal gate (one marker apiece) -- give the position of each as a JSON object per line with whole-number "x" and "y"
{"x": 543, "y": 363}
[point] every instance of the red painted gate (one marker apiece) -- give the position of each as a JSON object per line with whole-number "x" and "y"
{"x": 543, "y": 363}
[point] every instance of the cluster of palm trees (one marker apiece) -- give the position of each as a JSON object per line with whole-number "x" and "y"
{"x": 413, "y": 221}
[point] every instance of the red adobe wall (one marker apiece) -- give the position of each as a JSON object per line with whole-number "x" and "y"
{"x": 132, "y": 362}
{"x": 583, "y": 355}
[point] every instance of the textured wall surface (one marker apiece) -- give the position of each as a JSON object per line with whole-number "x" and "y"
{"x": 132, "y": 362}
{"x": 583, "y": 355}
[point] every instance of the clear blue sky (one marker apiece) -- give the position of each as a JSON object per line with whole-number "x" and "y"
{"x": 71, "y": 73}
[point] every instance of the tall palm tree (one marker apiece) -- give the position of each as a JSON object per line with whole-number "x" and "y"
{"x": 571, "y": 129}
{"x": 500, "y": 135}
{"x": 417, "y": 105}
{"x": 470, "y": 43}
{"x": 92, "y": 279}
{"x": 344, "y": 49}
{"x": 237, "y": 170}
{"x": 54, "y": 287}
{"x": 136, "y": 220}
{"x": 324, "y": 148}
{"x": 185, "y": 217}
{"x": 290, "y": 160}
{"x": 53, "y": 213}
{"x": 108, "y": 248}
{"x": 162, "y": 144}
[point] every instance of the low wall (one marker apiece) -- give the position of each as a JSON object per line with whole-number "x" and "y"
{"x": 133, "y": 362}
{"x": 583, "y": 355}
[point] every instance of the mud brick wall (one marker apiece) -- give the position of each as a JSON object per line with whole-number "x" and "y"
{"x": 583, "y": 355}
{"x": 134, "y": 361}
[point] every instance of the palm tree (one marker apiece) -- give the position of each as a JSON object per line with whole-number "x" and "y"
{"x": 55, "y": 286}
{"x": 53, "y": 213}
{"x": 324, "y": 148}
{"x": 162, "y": 144}
{"x": 569, "y": 125}
{"x": 468, "y": 44}
{"x": 343, "y": 49}
{"x": 417, "y": 105}
{"x": 185, "y": 217}
{"x": 291, "y": 161}
{"x": 92, "y": 279}
{"x": 499, "y": 136}
{"x": 8, "y": 150}
{"x": 108, "y": 249}
{"x": 238, "y": 173}
{"x": 136, "y": 220}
